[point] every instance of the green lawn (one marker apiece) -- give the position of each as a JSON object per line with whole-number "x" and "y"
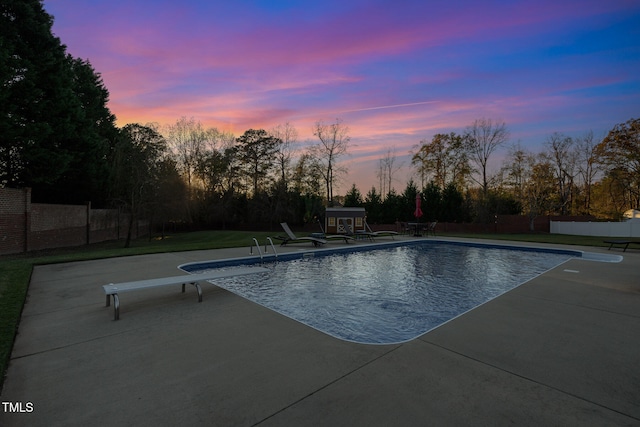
{"x": 15, "y": 270}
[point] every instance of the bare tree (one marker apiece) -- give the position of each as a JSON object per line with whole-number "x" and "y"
{"x": 482, "y": 138}
{"x": 539, "y": 188}
{"x": 186, "y": 140}
{"x": 516, "y": 171}
{"x": 419, "y": 161}
{"x": 381, "y": 174}
{"x": 190, "y": 143}
{"x": 334, "y": 142}
{"x": 288, "y": 136}
{"x": 588, "y": 166}
{"x": 387, "y": 168}
{"x": 563, "y": 158}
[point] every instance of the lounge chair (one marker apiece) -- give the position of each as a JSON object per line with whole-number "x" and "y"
{"x": 292, "y": 238}
{"x": 381, "y": 232}
{"x": 624, "y": 242}
{"x": 431, "y": 228}
{"x": 405, "y": 228}
{"x": 326, "y": 236}
{"x": 358, "y": 234}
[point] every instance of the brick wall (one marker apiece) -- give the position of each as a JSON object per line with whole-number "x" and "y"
{"x": 55, "y": 226}
{"x": 14, "y": 208}
{"x": 26, "y": 226}
{"x": 107, "y": 224}
{"x": 53, "y": 217}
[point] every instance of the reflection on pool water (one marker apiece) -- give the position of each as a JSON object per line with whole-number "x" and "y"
{"x": 389, "y": 295}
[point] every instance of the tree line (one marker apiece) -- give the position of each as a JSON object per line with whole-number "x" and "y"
{"x": 570, "y": 176}
{"x": 186, "y": 173}
{"x": 60, "y": 139}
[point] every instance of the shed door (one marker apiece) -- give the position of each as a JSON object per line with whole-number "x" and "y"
{"x": 341, "y": 229}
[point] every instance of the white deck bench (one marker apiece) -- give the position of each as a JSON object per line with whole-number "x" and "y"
{"x": 113, "y": 289}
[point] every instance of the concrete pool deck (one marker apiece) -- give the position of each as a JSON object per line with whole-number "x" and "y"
{"x": 562, "y": 349}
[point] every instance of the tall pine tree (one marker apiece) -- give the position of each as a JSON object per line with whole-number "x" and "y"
{"x": 54, "y": 123}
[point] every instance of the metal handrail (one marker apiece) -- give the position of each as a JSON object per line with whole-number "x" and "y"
{"x": 272, "y": 246}
{"x": 257, "y": 246}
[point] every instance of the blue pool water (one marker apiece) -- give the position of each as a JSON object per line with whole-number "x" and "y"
{"x": 388, "y": 295}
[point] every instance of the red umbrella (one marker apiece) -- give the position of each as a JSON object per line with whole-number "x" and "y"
{"x": 418, "y": 212}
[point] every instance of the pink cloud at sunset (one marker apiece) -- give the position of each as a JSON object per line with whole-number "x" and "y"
{"x": 395, "y": 72}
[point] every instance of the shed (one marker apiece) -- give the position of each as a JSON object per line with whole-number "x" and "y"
{"x": 632, "y": 214}
{"x": 355, "y": 217}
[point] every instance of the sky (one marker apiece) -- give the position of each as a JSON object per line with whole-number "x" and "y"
{"x": 394, "y": 72}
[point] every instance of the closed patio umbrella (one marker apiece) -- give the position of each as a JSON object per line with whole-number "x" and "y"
{"x": 418, "y": 212}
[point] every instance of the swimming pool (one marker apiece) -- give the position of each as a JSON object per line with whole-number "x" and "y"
{"x": 389, "y": 294}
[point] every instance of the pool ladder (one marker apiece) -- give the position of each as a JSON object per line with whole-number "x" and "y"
{"x": 266, "y": 248}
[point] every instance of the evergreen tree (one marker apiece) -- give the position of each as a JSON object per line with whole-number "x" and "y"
{"x": 33, "y": 75}
{"x": 53, "y": 118}
{"x": 373, "y": 206}
{"x": 392, "y": 208}
{"x": 89, "y": 144}
{"x": 353, "y": 198}
{"x": 409, "y": 200}
{"x": 431, "y": 202}
{"x": 454, "y": 207}
{"x": 256, "y": 150}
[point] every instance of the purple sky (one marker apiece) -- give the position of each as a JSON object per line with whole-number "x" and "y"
{"x": 396, "y": 72}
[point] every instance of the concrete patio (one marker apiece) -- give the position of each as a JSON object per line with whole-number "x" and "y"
{"x": 562, "y": 349}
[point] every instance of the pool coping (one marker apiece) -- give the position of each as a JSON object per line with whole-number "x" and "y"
{"x": 559, "y": 350}
{"x": 288, "y": 256}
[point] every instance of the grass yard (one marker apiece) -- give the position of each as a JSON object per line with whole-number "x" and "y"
{"x": 15, "y": 270}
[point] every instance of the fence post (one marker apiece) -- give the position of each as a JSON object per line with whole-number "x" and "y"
{"x": 27, "y": 218}
{"x": 88, "y": 222}
{"x": 118, "y": 225}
